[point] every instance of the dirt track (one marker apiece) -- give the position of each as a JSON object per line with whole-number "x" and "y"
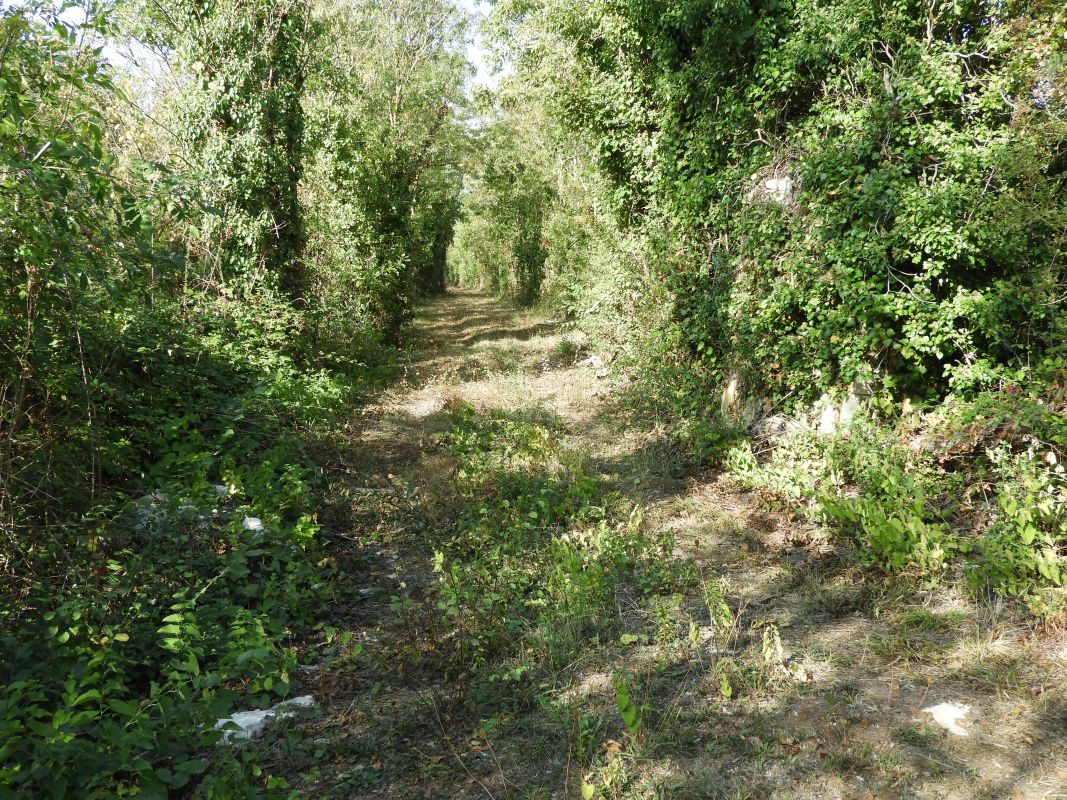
{"x": 843, "y": 715}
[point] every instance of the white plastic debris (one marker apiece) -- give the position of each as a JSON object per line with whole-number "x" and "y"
{"x": 252, "y": 524}
{"x": 221, "y": 491}
{"x": 252, "y": 723}
{"x": 948, "y": 716}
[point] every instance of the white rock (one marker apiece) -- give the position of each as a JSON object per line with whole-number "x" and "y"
{"x": 948, "y": 716}
{"x": 858, "y": 394}
{"x": 779, "y": 190}
{"x": 728, "y": 403}
{"x": 252, "y": 723}
{"x": 252, "y": 524}
{"x": 828, "y": 417}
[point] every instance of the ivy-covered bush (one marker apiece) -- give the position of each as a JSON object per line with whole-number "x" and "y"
{"x": 852, "y": 190}
{"x": 812, "y": 198}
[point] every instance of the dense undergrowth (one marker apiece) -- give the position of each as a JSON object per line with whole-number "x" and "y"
{"x": 786, "y": 217}
{"x": 134, "y": 624}
{"x": 968, "y": 505}
{"x": 210, "y": 242}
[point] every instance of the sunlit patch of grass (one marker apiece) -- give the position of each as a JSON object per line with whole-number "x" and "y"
{"x": 829, "y": 593}
{"x": 921, "y": 636}
{"x": 923, "y": 620}
{"x": 900, "y": 646}
{"x": 1000, "y": 671}
{"x": 846, "y": 761}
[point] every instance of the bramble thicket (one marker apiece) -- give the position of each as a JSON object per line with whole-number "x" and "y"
{"x": 820, "y": 243}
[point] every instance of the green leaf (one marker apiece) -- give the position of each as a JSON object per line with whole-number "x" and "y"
{"x": 84, "y": 697}
{"x": 123, "y": 707}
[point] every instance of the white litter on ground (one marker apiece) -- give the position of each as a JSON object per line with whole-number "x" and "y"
{"x": 252, "y": 524}
{"x": 948, "y": 716}
{"x": 252, "y": 723}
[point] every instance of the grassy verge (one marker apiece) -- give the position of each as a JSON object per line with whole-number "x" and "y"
{"x": 968, "y": 491}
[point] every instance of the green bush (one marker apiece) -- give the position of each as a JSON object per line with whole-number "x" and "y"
{"x": 1024, "y": 551}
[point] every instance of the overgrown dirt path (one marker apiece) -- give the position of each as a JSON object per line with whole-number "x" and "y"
{"x": 720, "y": 710}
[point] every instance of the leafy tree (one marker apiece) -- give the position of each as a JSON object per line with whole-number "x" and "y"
{"x": 384, "y": 128}
{"x": 165, "y": 368}
{"x": 240, "y": 119}
{"x": 68, "y": 220}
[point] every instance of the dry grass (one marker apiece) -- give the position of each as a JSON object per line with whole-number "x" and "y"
{"x": 837, "y": 715}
